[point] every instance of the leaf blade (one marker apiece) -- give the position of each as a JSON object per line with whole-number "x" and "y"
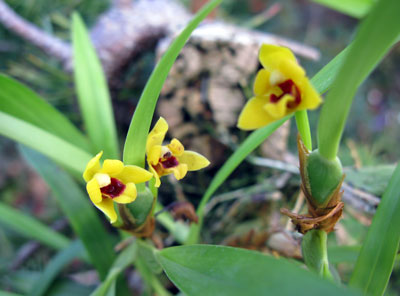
{"x": 127, "y": 257}
{"x": 354, "y": 8}
{"x": 378, "y": 253}
{"x": 380, "y": 28}
{"x": 135, "y": 143}
{"x": 54, "y": 267}
{"x": 217, "y": 270}
{"x": 21, "y": 102}
{"x": 31, "y": 228}
{"x": 93, "y": 94}
{"x": 54, "y": 147}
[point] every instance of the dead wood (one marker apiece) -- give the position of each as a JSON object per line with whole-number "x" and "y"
{"x": 126, "y": 29}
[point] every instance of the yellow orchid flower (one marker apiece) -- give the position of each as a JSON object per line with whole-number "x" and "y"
{"x": 280, "y": 88}
{"x": 171, "y": 158}
{"x": 112, "y": 182}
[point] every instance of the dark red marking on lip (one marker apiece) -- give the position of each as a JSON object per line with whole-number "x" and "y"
{"x": 287, "y": 87}
{"x": 170, "y": 162}
{"x": 116, "y": 188}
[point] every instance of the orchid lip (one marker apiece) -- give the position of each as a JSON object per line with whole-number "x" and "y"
{"x": 170, "y": 162}
{"x": 287, "y": 87}
{"x": 114, "y": 189}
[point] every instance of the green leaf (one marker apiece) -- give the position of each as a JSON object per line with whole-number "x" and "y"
{"x": 21, "y": 102}
{"x": 55, "y": 266}
{"x": 76, "y": 206}
{"x": 372, "y": 179}
{"x": 93, "y": 94}
{"x": 354, "y": 8}
{"x": 323, "y": 80}
{"x": 375, "y": 262}
{"x": 248, "y": 146}
{"x": 31, "y": 228}
{"x": 217, "y": 270}
{"x": 338, "y": 254}
{"x": 5, "y": 293}
{"x": 375, "y": 36}
{"x": 24, "y": 280}
{"x": 59, "y": 150}
{"x": 126, "y": 258}
{"x": 146, "y": 253}
{"x": 150, "y": 279}
{"x": 135, "y": 143}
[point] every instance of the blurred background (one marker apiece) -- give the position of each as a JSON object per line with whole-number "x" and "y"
{"x": 202, "y": 97}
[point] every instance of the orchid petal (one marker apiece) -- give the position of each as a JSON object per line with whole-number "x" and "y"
{"x": 92, "y": 167}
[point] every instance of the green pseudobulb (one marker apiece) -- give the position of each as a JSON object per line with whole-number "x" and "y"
{"x": 324, "y": 176}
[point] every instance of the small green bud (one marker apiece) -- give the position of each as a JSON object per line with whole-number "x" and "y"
{"x": 324, "y": 176}
{"x": 142, "y": 207}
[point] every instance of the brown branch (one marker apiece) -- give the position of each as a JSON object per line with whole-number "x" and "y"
{"x": 28, "y": 31}
{"x": 129, "y": 28}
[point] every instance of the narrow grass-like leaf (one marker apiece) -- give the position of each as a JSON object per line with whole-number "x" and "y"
{"x": 323, "y": 80}
{"x": 59, "y": 150}
{"x": 24, "y": 280}
{"x": 80, "y": 212}
{"x": 93, "y": 94}
{"x": 126, "y": 258}
{"x": 354, "y": 8}
{"x": 375, "y": 262}
{"x": 55, "y": 266}
{"x": 31, "y": 228}
{"x": 217, "y": 270}
{"x": 374, "y": 38}
{"x": 248, "y": 146}
{"x": 338, "y": 254}
{"x": 135, "y": 143}
{"x": 150, "y": 279}
{"x": 21, "y": 102}
{"x": 5, "y": 293}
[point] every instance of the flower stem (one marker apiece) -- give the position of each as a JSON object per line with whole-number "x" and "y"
{"x": 303, "y": 127}
{"x": 314, "y": 245}
{"x": 314, "y": 248}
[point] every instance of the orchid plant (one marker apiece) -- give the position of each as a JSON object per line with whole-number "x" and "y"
{"x": 125, "y": 189}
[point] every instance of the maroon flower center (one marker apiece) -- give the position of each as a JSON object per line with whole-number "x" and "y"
{"x": 169, "y": 162}
{"x": 288, "y": 87}
{"x": 116, "y": 188}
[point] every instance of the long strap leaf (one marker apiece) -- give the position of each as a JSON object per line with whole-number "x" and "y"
{"x": 31, "y": 228}
{"x": 55, "y": 266}
{"x": 59, "y": 150}
{"x": 355, "y": 8}
{"x": 19, "y": 101}
{"x": 93, "y": 94}
{"x": 135, "y": 143}
{"x": 375, "y": 262}
{"x": 126, "y": 258}
{"x": 374, "y": 38}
